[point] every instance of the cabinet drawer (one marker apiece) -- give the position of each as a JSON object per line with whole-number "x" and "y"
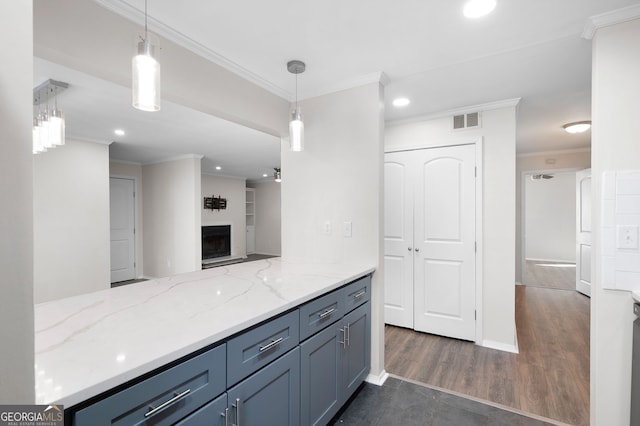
{"x": 256, "y": 348}
{"x": 317, "y": 314}
{"x": 357, "y": 293}
{"x": 188, "y": 385}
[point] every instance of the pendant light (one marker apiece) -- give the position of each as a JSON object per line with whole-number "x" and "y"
{"x": 296, "y": 126}
{"x": 145, "y": 74}
{"x": 48, "y": 124}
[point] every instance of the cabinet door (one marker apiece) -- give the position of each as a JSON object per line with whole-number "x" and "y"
{"x": 321, "y": 376}
{"x": 356, "y": 354}
{"x": 212, "y": 414}
{"x": 271, "y": 396}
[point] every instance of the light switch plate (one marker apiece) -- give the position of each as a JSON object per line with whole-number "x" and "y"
{"x": 627, "y": 236}
{"x": 347, "y": 228}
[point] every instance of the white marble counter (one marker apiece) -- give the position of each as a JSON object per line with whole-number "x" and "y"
{"x": 87, "y": 344}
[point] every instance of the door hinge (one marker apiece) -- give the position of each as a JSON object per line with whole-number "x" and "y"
{"x": 475, "y": 315}
{"x": 134, "y": 264}
{"x": 475, "y": 246}
{"x": 475, "y": 171}
{"x": 134, "y": 231}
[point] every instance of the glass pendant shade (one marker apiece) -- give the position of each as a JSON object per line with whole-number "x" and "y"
{"x": 56, "y": 128}
{"x": 43, "y": 128}
{"x": 37, "y": 145}
{"x": 146, "y": 78}
{"x": 296, "y": 131}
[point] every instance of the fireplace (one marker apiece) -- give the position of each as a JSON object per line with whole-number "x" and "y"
{"x": 216, "y": 242}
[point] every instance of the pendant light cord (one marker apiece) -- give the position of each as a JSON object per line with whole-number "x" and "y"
{"x": 145, "y": 21}
{"x": 296, "y": 93}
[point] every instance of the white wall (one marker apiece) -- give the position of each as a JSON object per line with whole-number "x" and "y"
{"x": 561, "y": 160}
{"x": 268, "y": 217}
{"x": 171, "y": 215}
{"x": 498, "y": 132}
{"x": 71, "y": 221}
{"x": 16, "y": 191}
{"x": 233, "y": 189}
{"x": 615, "y": 136}
{"x": 550, "y": 216}
{"x": 133, "y": 171}
{"x": 337, "y": 178}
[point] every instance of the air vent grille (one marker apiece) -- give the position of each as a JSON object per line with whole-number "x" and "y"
{"x": 458, "y": 122}
{"x": 466, "y": 121}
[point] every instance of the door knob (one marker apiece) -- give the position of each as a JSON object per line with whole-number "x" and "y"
{"x": 409, "y": 248}
{"x": 417, "y": 249}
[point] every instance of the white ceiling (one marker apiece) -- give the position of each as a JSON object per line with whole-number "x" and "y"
{"x": 427, "y": 49}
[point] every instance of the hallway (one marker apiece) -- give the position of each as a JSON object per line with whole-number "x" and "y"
{"x": 549, "y": 377}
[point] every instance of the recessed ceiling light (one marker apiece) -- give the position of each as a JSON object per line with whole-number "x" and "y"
{"x": 401, "y": 102}
{"x": 478, "y": 8}
{"x": 577, "y": 127}
{"x": 119, "y": 132}
{"x": 265, "y": 175}
{"x": 218, "y": 168}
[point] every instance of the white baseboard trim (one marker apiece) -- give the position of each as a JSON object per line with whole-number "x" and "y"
{"x": 377, "y": 380}
{"x": 533, "y": 259}
{"x": 491, "y": 344}
{"x": 267, "y": 254}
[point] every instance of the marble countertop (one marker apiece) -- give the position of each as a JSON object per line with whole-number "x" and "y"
{"x": 87, "y": 344}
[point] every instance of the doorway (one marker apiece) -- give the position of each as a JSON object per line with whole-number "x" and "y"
{"x": 549, "y": 229}
{"x": 122, "y": 219}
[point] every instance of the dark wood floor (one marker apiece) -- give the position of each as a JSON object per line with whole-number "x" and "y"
{"x": 549, "y": 377}
{"x": 559, "y": 275}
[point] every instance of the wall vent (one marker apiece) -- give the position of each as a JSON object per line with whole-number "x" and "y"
{"x": 466, "y": 121}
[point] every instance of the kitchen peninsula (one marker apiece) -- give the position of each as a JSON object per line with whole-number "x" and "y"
{"x": 89, "y": 345}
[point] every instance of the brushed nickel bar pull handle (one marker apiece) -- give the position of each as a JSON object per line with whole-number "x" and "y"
{"x": 327, "y": 312}
{"x": 348, "y": 339}
{"x": 362, "y": 293}
{"x": 176, "y": 398}
{"x": 343, "y": 342}
{"x": 226, "y": 416}
{"x": 272, "y": 344}
{"x": 237, "y": 406}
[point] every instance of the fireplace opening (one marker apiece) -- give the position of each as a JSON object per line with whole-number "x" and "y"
{"x": 216, "y": 242}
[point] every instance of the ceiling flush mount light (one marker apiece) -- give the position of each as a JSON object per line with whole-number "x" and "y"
{"x": 119, "y": 132}
{"x": 296, "y": 126}
{"x": 478, "y": 8}
{"x": 48, "y": 123}
{"x": 401, "y": 102}
{"x": 577, "y": 127}
{"x": 277, "y": 176}
{"x": 218, "y": 168}
{"x": 145, "y": 74}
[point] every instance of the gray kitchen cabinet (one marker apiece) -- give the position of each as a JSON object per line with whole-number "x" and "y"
{"x": 271, "y": 396}
{"x": 356, "y": 360}
{"x": 212, "y": 414}
{"x": 335, "y": 360}
{"x": 163, "y": 398}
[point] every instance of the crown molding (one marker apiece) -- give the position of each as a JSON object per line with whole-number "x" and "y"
{"x": 131, "y": 13}
{"x": 506, "y": 103}
{"x": 72, "y": 137}
{"x": 618, "y": 16}
{"x": 556, "y": 152}
{"x": 176, "y": 158}
{"x": 375, "y": 77}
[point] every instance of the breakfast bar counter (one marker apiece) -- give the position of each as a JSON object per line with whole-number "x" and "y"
{"x": 88, "y": 344}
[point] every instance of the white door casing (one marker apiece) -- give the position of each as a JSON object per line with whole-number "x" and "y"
{"x": 429, "y": 235}
{"x": 444, "y": 240}
{"x": 398, "y": 240}
{"x": 583, "y": 231}
{"x": 122, "y": 216}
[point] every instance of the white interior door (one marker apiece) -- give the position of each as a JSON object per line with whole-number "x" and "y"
{"x": 444, "y": 242}
{"x": 398, "y": 240}
{"x": 583, "y": 231}
{"x": 122, "y": 208}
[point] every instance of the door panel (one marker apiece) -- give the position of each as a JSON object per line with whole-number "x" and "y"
{"x": 583, "y": 232}
{"x": 122, "y": 217}
{"x": 444, "y": 242}
{"x": 398, "y": 240}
